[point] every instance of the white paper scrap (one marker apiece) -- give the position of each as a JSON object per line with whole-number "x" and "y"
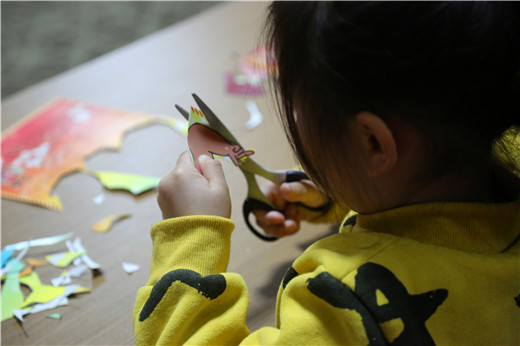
{"x": 255, "y": 116}
{"x": 130, "y": 267}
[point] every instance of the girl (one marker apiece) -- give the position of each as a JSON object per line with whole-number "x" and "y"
{"x": 406, "y": 113}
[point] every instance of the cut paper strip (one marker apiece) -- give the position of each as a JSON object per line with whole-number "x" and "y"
{"x": 66, "y": 277}
{"x": 256, "y": 117}
{"x": 12, "y": 296}
{"x": 203, "y": 140}
{"x": 54, "y": 316}
{"x": 105, "y": 224}
{"x": 77, "y": 246}
{"x": 130, "y": 267}
{"x": 63, "y": 259}
{"x": 54, "y": 141}
{"x": 36, "y": 262}
{"x": 39, "y": 242}
{"x": 134, "y": 183}
{"x": 26, "y": 271}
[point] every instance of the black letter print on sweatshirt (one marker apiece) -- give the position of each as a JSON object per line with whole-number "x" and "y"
{"x": 413, "y": 310}
{"x": 210, "y": 286}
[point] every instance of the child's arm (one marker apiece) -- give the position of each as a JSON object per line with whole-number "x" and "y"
{"x": 189, "y": 297}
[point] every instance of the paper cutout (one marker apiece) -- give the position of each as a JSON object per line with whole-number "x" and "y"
{"x": 130, "y": 267}
{"x": 6, "y": 255}
{"x": 41, "y": 293}
{"x": 256, "y": 117}
{"x": 63, "y": 259}
{"x": 39, "y": 242}
{"x": 51, "y": 304}
{"x": 36, "y": 262}
{"x": 99, "y": 199}
{"x": 26, "y": 271}
{"x": 77, "y": 246}
{"x": 12, "y": 296}
{"x": 105, "y": 224}
{"x": 203, "y": 140}
{"x": 134, "y": 183}
{"x": 54, "y": 141}
{"x": 55, "y": 316}
{"x": 251, "y": 71}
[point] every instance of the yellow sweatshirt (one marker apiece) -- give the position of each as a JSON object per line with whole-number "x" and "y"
{"x": 444, "y": 273}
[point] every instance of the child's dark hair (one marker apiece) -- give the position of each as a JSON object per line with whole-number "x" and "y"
{"x": 452, "y": 69}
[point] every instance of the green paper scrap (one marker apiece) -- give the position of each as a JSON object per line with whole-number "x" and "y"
{"x": 63, "y": 259}
{"x": 55, "y": 316}
{"x": 134, "y": 183}
{"x": 12, "y": 296}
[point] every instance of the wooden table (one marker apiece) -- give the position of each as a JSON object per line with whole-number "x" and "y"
{"x": 150, "y": 76}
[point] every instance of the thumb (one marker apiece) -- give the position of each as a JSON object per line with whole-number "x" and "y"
{"x": 212, "y": 170}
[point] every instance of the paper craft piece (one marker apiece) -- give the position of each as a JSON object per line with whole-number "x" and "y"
{"x": 41, "y": 293}
{"x": 77, "y": 246}
{"x": 36, "y": 262}
{"x": 54, "y": 141}
{"x": 26, "y": 271}
{"x": 203, "y": 140}
{"x": 63, "y": 279}
{"x": 38, "y": 242}
{"x": 105, "y": 224}
{"x": 60, "y": 300}
{"x": 54, "y": 316}
{"x": 251, "y": 71}
{"x": 134, "y": 183}
{"x": 99, "y": 199}
{"x": 6, "y": 255}
{"x": 63, "y": 259}
{"x": 12, "y": 296}
{"x": 130, "y": 267}
{"x": 255, "y": 116}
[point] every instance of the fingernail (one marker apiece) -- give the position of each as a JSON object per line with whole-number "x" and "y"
{"x": 203, "y": 158}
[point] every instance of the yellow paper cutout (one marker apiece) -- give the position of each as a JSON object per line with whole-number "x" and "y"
{"x": 63, "y": 259}
{"x": 40, "y": 293}
{"x": 105, "y": 224}
{"x": 134, "y": 183}
{"x": 12, "y": 296}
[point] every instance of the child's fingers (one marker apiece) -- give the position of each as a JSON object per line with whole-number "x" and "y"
{"x": 212, "y": 170}
{"x": 275, "y": 223}
{"x": 303, "y": 191}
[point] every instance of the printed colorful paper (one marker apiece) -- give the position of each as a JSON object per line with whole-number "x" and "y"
{"x": 202, "y": 140}
{"x": 251, "y": 71}
{"x": 54, "y": 141}
{"x": 105, "y": 224}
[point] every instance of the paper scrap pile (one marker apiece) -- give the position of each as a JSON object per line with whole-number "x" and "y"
{"x": 17, "y": 271}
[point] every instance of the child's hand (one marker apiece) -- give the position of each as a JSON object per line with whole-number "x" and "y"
{"x": 187, "y": 192}
{"x": 287, "y": 222}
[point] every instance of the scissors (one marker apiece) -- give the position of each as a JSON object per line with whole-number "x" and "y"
{"x": 255, "y": 200}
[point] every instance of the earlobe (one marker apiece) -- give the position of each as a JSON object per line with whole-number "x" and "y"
{"x": 378, "y": 142}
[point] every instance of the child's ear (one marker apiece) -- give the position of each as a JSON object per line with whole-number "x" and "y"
{"x": 378, "y": 143}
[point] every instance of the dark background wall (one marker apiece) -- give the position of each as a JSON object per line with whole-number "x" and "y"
{"x": 43, "y": 38}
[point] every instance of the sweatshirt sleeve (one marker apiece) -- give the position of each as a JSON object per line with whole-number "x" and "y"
{"x": 191, "y": 299}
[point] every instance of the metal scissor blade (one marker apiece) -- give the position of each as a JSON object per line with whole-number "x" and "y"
{"x": 184, "y": 112}
{"x": 214, "y": 121}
